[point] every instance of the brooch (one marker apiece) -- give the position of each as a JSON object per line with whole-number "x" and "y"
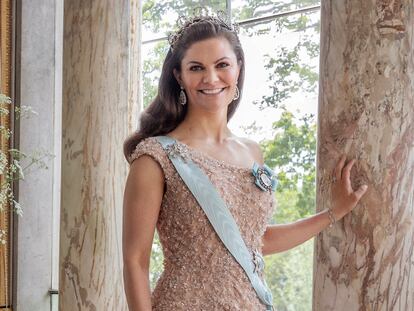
{"x": 265, "y": 178}
{"x": 258, "y": 262}
{"x": 175, "y": 150}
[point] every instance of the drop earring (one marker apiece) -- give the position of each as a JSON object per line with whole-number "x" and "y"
{"x": 237, "y": 93}
{"x": 182, "y": 99}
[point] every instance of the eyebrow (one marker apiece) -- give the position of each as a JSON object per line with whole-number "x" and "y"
{"x": 195, "y": 62}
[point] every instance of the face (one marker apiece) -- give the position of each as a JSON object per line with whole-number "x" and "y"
{"x": 209, "y": 73}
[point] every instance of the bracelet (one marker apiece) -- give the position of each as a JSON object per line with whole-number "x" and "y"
{"x": 331, "y": 218}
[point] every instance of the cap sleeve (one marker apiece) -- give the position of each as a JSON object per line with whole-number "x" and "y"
{"x": 151, "y": 147}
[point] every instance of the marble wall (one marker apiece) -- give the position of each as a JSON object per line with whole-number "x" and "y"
{"x": 366, "y": 110}
{"x": 100, "y": 107}
{"x": 38, "y": 74}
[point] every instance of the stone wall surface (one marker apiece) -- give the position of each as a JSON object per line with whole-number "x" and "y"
{"x": 366, "y": 110}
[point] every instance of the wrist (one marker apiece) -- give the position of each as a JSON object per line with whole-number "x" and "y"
{"x": 339, "y": 213}
{"x": 332, "y": 218}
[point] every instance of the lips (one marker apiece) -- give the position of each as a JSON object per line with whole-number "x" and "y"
{"x": 212, "y": 91}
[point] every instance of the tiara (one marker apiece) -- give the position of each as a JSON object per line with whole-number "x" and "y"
{"x": 199, "y": 15}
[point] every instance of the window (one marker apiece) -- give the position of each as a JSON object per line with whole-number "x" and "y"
{"x": 278, "y": 109}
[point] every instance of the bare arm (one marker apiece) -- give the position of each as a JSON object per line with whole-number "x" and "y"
{"x": 142, "y": 200}
{"x": 279, "y": 238}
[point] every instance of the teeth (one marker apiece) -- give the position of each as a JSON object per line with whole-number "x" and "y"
{"x": 214, "y": 91}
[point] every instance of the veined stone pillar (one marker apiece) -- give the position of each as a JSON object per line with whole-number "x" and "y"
{"x": 366, "y": 110}
{"x": 100, "y": 107}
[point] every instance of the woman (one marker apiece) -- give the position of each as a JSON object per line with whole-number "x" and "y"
{"x": 199, "y": 90}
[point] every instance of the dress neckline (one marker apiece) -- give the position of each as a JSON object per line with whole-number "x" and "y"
{"x": 213, "y": 159}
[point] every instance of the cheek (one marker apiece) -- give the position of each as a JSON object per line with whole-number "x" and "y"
{"x": 231, "y": 74}
{"x": 191, "y": 82}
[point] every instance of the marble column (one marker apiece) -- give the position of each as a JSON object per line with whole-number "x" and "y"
{"x": 100, "y": 107}
{"x": 366, "y": 110}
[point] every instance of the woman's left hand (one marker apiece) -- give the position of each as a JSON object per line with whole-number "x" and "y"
{"x": 344, "y": 198}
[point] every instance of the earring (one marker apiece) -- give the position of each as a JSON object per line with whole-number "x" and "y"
{"x": 237, "y": 94}
{"x": 182, "y": 99}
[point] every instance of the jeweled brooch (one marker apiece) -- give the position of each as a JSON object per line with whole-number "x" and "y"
{"x": 175, "y": 150}
{"x": 265, "y": 177}
{"x": 258, "y": 262}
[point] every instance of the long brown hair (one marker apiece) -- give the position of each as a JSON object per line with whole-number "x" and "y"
{"x": 165, "y": 113}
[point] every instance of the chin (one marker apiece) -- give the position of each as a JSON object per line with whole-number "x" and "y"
{"x": 217, "y": 106}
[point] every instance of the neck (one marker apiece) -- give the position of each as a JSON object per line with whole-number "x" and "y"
{"x": 208, "y": 126}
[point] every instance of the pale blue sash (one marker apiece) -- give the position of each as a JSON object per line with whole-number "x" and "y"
{"x": 217, "y": 213}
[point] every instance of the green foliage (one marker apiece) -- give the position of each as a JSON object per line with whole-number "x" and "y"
{"x": 154, "y": 12}
{"x": 248, "y": 9}
{"x": 152, "y": 70}
{"x": 288, "y": 73}
{"x": 289, "y": 277}
{"x": 156, "y": 263}
{"x": 292, "y": 152}
{"x": 255, "y": 8}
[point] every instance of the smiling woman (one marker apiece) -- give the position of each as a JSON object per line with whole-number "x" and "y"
{"x": 163, "y": 115}
{"x": 209, "y": 79}
{"x": 206, "y": 191}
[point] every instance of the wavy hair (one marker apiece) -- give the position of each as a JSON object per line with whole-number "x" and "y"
{"x": 165, "y": 113}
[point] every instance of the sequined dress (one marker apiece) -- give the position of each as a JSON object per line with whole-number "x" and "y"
{"x": 199, "y": 272}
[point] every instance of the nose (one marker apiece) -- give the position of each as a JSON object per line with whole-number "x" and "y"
{"x": 210, "y": 76}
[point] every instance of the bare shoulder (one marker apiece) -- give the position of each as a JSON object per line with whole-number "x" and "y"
{"x": 254, "y": 148}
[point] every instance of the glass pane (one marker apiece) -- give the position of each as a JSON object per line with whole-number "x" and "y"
{"x": 278, "y": 109}
{"x": 153, "y": 57}
{"x": 244, "y": 9}
{"x": 282, "y": 65}
{"x": 159, "y": 17}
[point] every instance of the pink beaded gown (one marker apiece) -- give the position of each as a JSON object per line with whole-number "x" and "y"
{"x": 199, "y": 272}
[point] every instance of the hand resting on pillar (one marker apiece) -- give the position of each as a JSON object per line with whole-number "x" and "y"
{"x": 282, "y": 237}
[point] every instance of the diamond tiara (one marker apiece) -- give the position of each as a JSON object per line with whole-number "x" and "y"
{"x": 200, "y": 14}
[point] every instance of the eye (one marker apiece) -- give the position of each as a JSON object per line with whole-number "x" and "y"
{"x": 222, "y": 65}
{"x": 195, "y": 68}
